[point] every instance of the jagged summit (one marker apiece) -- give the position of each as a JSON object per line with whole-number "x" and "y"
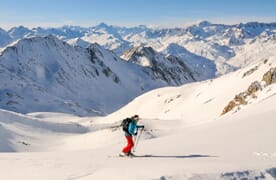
{"x": 102, "y": 25}
{"x": 136, "y": 55}
{"x": 19, "y": 32}
{"x": 204, "y": 23}
{"x": 168, "y": 67}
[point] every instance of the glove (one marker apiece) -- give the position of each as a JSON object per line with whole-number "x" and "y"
{"x": 135, "y": 134}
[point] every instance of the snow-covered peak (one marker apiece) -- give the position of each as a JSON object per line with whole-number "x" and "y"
{"x": 19, "y": 32}
{"x": 102, "y": 25}
{"x": 167, "y": 67}
{"x": 204, "y": 23}
{"x": 105, "y": 28}
{"x": 257, "y": 25}
{"x": 140, "y": 55}
{"x": 203, "y": 68}
{"x": 253, "y": 29}
{"x": 55, "y": 75}
{"x": 65, "y": 32}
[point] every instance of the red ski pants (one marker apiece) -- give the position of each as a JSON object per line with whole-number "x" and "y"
{"x": 129, "y": 145}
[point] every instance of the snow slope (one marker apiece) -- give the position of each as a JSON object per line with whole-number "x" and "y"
{"x": 185, "y": 134}
{"x": 26, "y": 133}
{"x": 226, "y": 149}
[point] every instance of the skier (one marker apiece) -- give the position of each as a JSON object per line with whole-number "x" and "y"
{"x": 131, "y": 131}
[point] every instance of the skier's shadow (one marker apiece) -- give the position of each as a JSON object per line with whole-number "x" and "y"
{"x": 177, "y": 156}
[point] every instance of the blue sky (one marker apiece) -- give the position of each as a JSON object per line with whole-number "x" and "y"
{"x": 33, "y": 13}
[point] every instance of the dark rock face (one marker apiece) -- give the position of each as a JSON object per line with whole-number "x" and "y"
{"x": 170, "y": 69}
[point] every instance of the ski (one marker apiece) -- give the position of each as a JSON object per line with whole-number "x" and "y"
{"x": 134, "y": 156}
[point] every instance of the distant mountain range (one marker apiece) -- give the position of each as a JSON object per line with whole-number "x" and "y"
{"x": 216, "y": 42}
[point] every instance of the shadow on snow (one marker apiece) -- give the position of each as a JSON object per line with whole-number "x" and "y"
{"x": 176, "y": 156}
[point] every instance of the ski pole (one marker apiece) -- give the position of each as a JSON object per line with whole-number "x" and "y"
{"x": 137, "y": 140}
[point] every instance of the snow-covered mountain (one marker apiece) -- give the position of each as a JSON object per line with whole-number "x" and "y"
{"x": 205, "y": 67}
{"x": 20, "y": 32}
{"x": 47, "y": 74}
{"x": 170, "y": 68}
{"x": 228, "y": 46}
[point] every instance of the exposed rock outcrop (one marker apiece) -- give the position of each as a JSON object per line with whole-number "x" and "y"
{"x": 242, "y": 98}
{"x": 270, "y": 76}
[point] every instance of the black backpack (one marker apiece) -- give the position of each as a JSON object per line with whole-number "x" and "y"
{"x": 125, "y": 124}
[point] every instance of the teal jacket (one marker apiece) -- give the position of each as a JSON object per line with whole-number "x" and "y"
{"x": 133, "y": 128}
